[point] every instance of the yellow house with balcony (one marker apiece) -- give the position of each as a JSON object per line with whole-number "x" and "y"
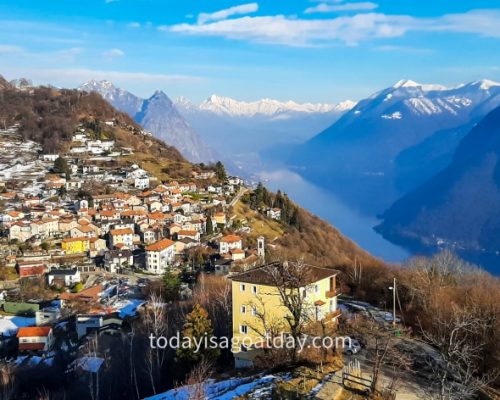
{"x": 76, "y": 245}
{"x": 257, "y": 301}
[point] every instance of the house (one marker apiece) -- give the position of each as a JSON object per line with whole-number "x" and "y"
{"x": 115, "y": 260}
{"x": 257, "y": 292}
{"x": 75, "y": 245}
{"x": 83, "y": 231}
{"x": 141, "y": 182}
{"x": 86, "y": 324}
{"x": 20, "y": 231}
{"x": 230, "y": 242}
{"x": 237, "y": 254}
{"x": 97, "y": 246}
{"x": 50, "y": 157}
{"x": 235, "y": 181}
{"x": 219, "y": 218}
{"x": 194, "y": 235}
{"x": 124, "y": 236}
{"x": 73, "y": 184}
{"x": 67, "y": 277}
{"x": 31, "y": 268}
{"x": 274, "y": 213}
{"x": 159, "y": 256}
{"x": 49, "y": 315}
{"x": 35, "y": 338}
{"x": 148, "y": 236}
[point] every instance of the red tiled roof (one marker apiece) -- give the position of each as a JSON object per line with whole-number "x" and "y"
{"x": 160, "y": 245}
{"x": 125, "y": 231}
{"x": 230, "y": 239}
{"x": 30, "y": 331}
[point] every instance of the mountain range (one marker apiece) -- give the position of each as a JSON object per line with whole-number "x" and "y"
{"x": 251, "y": 131}
{"x": 158, "y": 115}
{"x": 394, "y": 140}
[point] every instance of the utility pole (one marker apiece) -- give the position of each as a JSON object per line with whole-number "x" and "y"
{"x": 393, "y": 288}
{"x": 394, "y": 304}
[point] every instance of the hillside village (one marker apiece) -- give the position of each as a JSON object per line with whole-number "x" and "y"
{"x": 83, "y": 242}
{"x": 110, "y": 242}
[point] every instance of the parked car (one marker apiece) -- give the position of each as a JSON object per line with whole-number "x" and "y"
{"x": 351, "y": 346}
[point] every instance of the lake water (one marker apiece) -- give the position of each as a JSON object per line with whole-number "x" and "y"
{"x": 327, "y": 206}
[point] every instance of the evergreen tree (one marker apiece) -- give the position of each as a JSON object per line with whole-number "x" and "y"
{"x": 220, "y": 171}
{"x": 197, "y": 327}
{"x": 61, "y": 167}
{"x": 210, "y": 226}
{"x": 171, "y": 285}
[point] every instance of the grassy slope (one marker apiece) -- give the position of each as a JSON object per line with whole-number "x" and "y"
{"x": 320, "y": 242}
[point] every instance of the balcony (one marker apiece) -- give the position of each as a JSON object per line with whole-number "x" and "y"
{"x": 332, "y": 293}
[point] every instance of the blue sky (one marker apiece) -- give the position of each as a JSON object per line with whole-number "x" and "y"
{"x": 318, "y": 51}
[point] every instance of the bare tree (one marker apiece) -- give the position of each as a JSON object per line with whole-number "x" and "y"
{"x": 268, "y": 327}
{"x": 196, "y": 379}
{"x": 293, "y": 281}
{"x": 155, "y": 322}
{"x": 457, "y": 340}
{"x": 383, "y": 353}
{"x": 7, "y": 375}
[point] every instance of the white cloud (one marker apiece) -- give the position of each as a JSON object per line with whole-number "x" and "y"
{"x": 134, "y": 25}
{"x": 228, "y": 12}
{"x": 349, "y": 30}
{"x": 303, "y": 32}
{"x": 327, "y": 8}
{"x": 113, "y": 53}
{"x": 481, "y": 22}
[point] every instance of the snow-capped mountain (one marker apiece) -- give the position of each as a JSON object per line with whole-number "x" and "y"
{"x": 119, "y": 98}
{"x": 245, "y": 130}
{"x": 395, "y": 139}
{"x": 268, "y": 107}
{"x": 158, "y": 115}
{"x": 265, "y": 107}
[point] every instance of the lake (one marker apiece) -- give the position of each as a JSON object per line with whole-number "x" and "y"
{"x": 323, "y": 203}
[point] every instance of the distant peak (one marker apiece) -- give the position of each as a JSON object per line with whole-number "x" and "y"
{"x": 160, "y": 96}
{"x": 104, "y": 84}
{"x": 486, "y": 84}
{"x": 406, "y": 83}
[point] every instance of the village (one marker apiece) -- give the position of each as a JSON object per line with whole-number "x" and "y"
{"x": 97, "y": 253}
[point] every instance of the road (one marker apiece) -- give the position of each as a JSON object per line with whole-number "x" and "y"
{"x": 238, "y": 196}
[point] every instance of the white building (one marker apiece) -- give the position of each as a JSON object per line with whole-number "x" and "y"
{"x": 230, "y": 242}
{"x": 159, "y": 256}
{"x": 68, "y": 276}
{"x": 141, "y": 182}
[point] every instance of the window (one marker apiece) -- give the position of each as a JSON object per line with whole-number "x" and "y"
{"x": 254, "y": 311}
{"x": 242, "y": 287}
{"x": 243, "y": 309}
{"x": 254, "y": 289}
{"x": 243, "y": 329}
{"x": 316, "y": 288}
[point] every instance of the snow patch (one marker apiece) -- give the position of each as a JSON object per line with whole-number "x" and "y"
{"x": 395, "y": 115}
